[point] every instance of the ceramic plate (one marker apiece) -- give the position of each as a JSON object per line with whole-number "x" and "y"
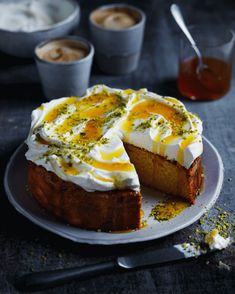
{"x": 15, "y": 182}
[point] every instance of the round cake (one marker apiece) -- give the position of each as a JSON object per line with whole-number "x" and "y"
{"x": 88, "y": 155}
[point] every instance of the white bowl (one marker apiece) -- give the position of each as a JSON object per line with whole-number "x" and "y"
{"x": 22, "y": 43}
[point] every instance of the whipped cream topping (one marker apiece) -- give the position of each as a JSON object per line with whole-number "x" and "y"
{"x": 215, "y": 241}
{"x": 162, "y": 125}
{"x": 81, "y": 139}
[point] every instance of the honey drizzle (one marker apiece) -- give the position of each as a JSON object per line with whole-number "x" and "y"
{"x": 183, "y": 144}
{"x": 91, "y": 112}
{"x": 69, "y": 169}
{"x": 113, "y": 166}
{"x": 116, "y": 153}
{"x": 91, "y": 109}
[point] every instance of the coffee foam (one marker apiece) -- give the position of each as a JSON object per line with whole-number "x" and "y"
{"x": 62, "y": 51}
{"x": 115, "y": 18}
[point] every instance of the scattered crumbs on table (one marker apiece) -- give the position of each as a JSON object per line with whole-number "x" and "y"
{"x": 43, "y": 258}
{"x": 224, "y": 266}
{"x": 216, "y": 219}
{"x": 230, "y": 179}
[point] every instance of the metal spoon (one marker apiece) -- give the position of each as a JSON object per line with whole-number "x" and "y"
{"x": 176, "y": 13}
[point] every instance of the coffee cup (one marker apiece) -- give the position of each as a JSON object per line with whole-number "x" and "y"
{"x": 117, "y": 32}
{"x": 64, "y": 66}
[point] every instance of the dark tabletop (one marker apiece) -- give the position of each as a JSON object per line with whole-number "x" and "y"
{"x": 24, "y": 247}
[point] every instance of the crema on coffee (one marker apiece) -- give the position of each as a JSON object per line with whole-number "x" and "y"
{"x": 62, "y": 51}
{"x": 115, "y": 18}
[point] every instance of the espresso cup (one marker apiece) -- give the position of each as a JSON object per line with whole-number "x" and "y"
{"x": 117, "y": 32}
{"x": 64, "y": 65}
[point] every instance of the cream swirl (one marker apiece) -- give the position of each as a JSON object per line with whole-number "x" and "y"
{"x": 162, "y": 125}
{"x": 80, "y": 139}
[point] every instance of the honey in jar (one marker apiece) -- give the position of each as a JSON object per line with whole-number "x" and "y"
{"x": 209, "y": 83}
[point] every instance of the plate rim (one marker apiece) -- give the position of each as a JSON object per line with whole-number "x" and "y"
{"x": 34, "y": 219}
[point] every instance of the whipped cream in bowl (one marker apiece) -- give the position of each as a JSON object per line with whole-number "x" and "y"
{"x": 26, "y": 23}
{"x": 33, "y": 15}
{"x": 81, "y": 139}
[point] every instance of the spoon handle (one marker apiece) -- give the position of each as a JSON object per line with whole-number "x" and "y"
{"x": 175, "y": 11}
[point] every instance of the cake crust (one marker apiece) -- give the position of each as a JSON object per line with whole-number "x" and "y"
{"x": 106, "y": 211}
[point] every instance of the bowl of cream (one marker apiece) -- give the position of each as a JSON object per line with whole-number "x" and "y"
{"x": 26, "y": 23}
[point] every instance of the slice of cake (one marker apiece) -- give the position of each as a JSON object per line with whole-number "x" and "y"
{"x": 86, "y": 155}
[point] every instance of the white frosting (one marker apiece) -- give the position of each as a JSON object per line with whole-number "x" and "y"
{"x": 215, "y": 241}
{"x": 57, "y": 152}
{"x": 31, "y": 15}
{"x": 146, "y": 137}
{"x": 88, "y": 177}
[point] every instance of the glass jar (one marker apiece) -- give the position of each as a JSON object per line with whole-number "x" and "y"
{"x": 213, "y": 80}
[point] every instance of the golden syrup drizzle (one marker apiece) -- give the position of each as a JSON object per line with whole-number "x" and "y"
{"x": 141, "y": 213}
{"x": 92, "y": 108}
{"x": 128, "y": 91}
{"x": 69, "y": 169}
{"x": 173, "y": 100}
{"x": 147, "y": 108}
{"x": 92, "y": 131}
{"x": 101, "y": 178}
{"x": 93, "y": 112}
{"x": 57, "y": 110}
{"x": 183, "y": 144}
{"x": 113, "y": 166}
{"x": 163, "y": 144}
{"x": 166, "y": 210}
{"x": 155, "y": 147}
{"x": 116, "y": 153}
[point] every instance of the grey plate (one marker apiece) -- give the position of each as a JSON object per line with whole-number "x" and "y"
{"x": 15, "y": 183}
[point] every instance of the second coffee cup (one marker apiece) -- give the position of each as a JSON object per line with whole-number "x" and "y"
{"x": 117, "y": 32}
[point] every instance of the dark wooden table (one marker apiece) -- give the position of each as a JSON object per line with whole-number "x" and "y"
{"x": 24, "y": 247}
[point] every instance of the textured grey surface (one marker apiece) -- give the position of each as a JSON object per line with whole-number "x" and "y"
{"x": 25, "y": 247}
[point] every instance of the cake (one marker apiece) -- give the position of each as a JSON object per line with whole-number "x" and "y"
{"x": 87, "y": 156}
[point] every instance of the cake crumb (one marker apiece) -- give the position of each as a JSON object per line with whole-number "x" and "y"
{"x": 215, "y": 241}
{"x": 223, "y": 265}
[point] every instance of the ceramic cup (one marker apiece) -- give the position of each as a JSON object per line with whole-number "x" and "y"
{"x": 117, "y": 50}
{"x": 62, "y": 78}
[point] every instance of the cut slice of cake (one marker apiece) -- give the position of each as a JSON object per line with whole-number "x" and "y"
{"x": 81, "y": 171}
